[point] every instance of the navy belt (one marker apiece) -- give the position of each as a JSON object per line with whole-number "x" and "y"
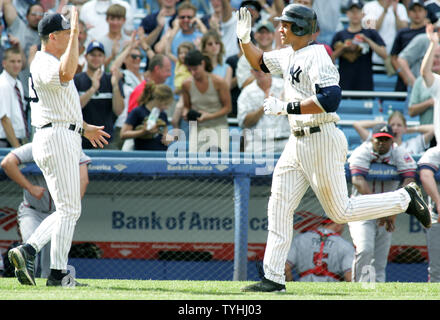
{"x": 302, "y": 132}
{"x": 72, "y": 127}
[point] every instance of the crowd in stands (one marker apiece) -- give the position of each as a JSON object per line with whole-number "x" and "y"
{"x": 126, "y": 47}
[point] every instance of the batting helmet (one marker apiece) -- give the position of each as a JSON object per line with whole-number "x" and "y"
{"x": 302, "y": 18}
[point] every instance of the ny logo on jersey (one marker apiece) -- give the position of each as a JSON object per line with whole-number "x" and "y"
{"x": 294, "y": 74}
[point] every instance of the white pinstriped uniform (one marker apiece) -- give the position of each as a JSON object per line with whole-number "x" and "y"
{"x": 316, "y": 160}
{"x": 57, "y": 152}
{"x": 32, "y": 211}
{"x": 431, "y": 159}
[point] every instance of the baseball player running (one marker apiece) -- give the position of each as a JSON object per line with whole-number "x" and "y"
{"x": 37, "y": 203}
{"x": 429, "y": 164}
{"x": 316, "y": 153}
{"x": 56, "y": 114}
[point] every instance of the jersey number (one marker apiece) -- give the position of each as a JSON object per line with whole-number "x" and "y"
{"x": 33, "y": 98}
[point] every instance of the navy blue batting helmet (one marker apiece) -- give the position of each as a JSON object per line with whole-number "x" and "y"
{"x": 302, "y": 18}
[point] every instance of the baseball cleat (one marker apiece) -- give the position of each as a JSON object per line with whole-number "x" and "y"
{"x": 417, "y": 207}
{"x": 24, "y": 265}
{"x": 265, "y": 285}
{"x": 67, "y": 281}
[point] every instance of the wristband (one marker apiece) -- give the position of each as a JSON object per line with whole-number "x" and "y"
{"x": 293, "y": 108}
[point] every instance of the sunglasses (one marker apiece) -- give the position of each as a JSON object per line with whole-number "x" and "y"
{"x": 37, "y": 14}
{"x": 135, "y": 56}
{"x": 185, "y": 17}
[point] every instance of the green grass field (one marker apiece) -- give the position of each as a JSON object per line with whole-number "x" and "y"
{"x": 10, "y": 289}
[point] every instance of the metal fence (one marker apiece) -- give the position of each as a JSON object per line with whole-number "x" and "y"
{"x": 144, "y": 218}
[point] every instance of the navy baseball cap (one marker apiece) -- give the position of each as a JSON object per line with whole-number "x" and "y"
{"x": 355, "y": 3}
{"x": 383, "y": 130}
{"x": 416, "y": 2}
{"x": 52, "y": 22}
{"x": 95, "y": 45}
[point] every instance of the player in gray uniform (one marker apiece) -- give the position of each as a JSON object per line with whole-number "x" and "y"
{"x": 321, "y": 255}
{"x": 37, "y": 203}
{"x": 316, "y": 152}
{"x": 372, "y": 238}
{"x": 429, "y": 164}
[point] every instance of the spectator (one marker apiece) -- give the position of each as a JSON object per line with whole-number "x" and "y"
{"x": 156, "y": 24}
{"x": 159, "y": 70}
{"x": 208, "y": 95}
{"x": 329, "y": 14}
{"x": 354, "y": 47}
{"x": 417, "y": 15}
{"x": 181, "y": 72}
{"x": 372, "y": 238}
{"x": 429, "y": 164}
{"x": 387, "y": 17}
{"x": 433, "y": 8}
{"x": 264, "y": 37}
{"x": 115, "y": 40}
{"x": 432, "y": 80}
{"x": 37, "y": 203}
{"x": 410, "y": 59}
{"x": 421, "y": 102}
{"x": 186, "y": 28}
{"x": 25, "y": 32}
{"x": 82, "y": 46}
{"x": 128, "y": 62}
{"x": 212, "y": 46}
{"x": 397, "y": 121}
{"x": 154, "y": 95}
{"x": 93, "y": 13}
{"x": 14, "y": 127}
{"x": 262, "y": 133}
{"x": 321, "y": 254}
{"x": 99, "y": 93}
{"x": 223, "y": 20}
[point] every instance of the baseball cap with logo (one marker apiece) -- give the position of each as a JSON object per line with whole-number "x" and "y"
{"x": 52, "y": 22}
{"x": 95, "y": 45}
{"x": 264, "y": 24}
{"x": 413, "y": 3}
{"x": 355, "y": 3}
{"x": 382, "y": 130}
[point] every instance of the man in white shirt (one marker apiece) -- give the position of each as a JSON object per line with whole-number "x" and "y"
{"x": 387, "y": 17}
{"x": 13, "y": 127}
{"x": 263, "y": 133}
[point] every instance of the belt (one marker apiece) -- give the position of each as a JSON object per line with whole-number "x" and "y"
{"x": 71, "y": 126}
{"x": 280, "y": 138}
{"x": 303, "y": 131}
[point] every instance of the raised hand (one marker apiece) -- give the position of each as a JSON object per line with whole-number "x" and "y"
{"x": 244, "y": 25}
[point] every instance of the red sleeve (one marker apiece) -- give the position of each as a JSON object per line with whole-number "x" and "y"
{"x": 133, "y": 100}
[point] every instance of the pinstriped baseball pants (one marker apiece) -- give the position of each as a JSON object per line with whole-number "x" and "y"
{"x": 317, "y": 161}
{"x": 57, "y": 152}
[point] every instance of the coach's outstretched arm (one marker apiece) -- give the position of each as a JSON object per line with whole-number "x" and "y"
{"x": 253, "y": 54}
{"x": 69, "y": 61}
